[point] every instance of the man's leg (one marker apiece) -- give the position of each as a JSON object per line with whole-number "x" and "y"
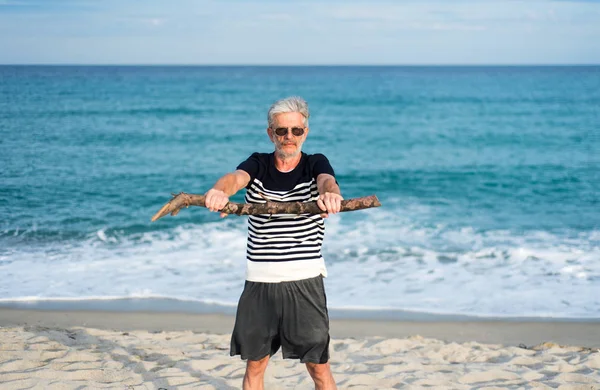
{"x": 255, "y": 374}
{"x": 255, "y": 333}
{"x": 321, "y": 375}
{"x": 305, "y": 328}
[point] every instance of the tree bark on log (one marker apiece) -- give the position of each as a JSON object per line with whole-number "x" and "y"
{"x": 183, "y": 199}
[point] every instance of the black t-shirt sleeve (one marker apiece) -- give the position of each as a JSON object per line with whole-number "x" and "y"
{"x": 251, "y": 166}
{"x": 320, "y": 164}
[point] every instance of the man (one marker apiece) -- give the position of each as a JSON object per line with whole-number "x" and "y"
{"x": 283, "y": 302}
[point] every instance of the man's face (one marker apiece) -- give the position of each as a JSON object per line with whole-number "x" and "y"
{"x": 288, "y": 145}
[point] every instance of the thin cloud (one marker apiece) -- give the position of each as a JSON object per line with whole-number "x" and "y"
{"x": 277, "y": 17}
{"x": 476, "y": 16}
{"x": 143, "y": 21}
{"x": 454, "y": 27}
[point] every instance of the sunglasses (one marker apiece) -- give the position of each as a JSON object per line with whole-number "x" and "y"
{"x": 282, "y": 131}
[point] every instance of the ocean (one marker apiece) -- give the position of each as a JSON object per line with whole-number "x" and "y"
{"x": 489, "y": 179}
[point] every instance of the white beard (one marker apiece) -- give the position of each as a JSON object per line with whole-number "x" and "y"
{"x": 285, "y": 155}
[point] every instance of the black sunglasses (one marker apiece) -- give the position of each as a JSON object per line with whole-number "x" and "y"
{"x": 282, "y": 131}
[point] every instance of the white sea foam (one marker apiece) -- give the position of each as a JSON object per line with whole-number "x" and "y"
{"x": 378, "y": 260}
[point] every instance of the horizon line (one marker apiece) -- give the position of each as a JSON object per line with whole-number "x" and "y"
{"x": 302, "y": 65}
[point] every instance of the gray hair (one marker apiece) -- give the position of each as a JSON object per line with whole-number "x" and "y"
{"x": 289, "y": 104}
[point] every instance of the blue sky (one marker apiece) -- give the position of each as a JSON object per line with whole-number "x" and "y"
{"x": 299, "y": 32}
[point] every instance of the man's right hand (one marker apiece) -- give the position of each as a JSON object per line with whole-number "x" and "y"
{"x": 215, "y": 200}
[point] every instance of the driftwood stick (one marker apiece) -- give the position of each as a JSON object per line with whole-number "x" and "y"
{"x": 185, "y": 200}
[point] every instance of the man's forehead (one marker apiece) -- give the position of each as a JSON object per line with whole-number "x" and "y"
{"x": 289, "y": 118}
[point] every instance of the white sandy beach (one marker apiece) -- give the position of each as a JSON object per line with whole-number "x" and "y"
{"x": 35, "y": 356}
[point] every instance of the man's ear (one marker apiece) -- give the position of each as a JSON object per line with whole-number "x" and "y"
{"x": 270, "y": 134}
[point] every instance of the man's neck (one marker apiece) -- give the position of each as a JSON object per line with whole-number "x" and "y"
{"x": 286, "y": 164}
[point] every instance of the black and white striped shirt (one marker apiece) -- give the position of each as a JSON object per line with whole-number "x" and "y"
{"x": 284, "y": 247}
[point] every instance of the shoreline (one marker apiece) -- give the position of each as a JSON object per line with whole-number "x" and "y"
{"x": 509, "y": 333}
{"x": 170, "y": 305}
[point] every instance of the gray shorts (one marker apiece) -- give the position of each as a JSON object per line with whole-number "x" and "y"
{"x": 292, "y": 315}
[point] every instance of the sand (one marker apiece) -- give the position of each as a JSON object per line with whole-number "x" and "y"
{"x": 52, "y": 350}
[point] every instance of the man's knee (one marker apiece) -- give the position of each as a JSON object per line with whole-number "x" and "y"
{"x": 322, "y": 376}
{"x": 319, "y": 370}
{"x": 257, "y": 367}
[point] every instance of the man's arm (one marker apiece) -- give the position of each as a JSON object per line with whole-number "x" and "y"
{"x": 330, "y": 196}
{"x": 218, "y": 196}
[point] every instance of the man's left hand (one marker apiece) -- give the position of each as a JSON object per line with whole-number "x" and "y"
{"x": 330, "y": 202}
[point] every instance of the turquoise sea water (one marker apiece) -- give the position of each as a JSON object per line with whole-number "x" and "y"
{"x": 489, "y": 177}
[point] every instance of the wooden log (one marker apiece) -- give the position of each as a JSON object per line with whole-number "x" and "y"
{"x": 183, "y": 199}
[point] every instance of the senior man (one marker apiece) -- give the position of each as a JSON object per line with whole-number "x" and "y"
{"x": 283, "y": 303}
